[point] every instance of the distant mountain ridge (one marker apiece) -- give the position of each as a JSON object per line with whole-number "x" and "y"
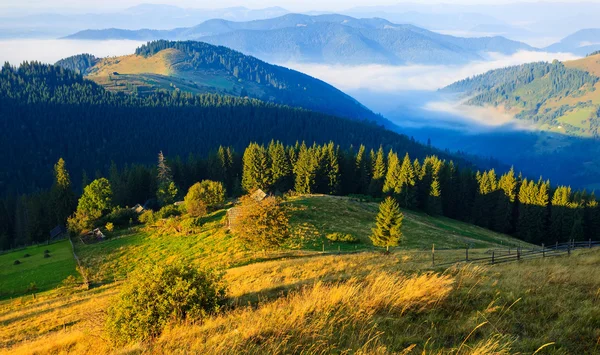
{"x": 330, "y": 39}
{"x": 201, "y": 68}
{"x": 582, "y": 42}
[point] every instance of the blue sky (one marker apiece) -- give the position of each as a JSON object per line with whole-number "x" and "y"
{"x": 294, "y": 5}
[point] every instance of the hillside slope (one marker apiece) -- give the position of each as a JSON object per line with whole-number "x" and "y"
{"x": 556, "y": 97}
{"x": 49, "y": 112}
{"x": 200, "y": 68}
{"x": 291, "y": 301}
{"x": 333, "y": 39}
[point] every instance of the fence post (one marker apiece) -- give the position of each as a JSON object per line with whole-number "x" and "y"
{"x": 590, "y": 243}
{"x": 543, "y": 251}
{"x": 556, "y": 248}
{"x": 339, "y": 250}
{"x": 508, "y": 250}
{"x": 518, "y": 253}
{"x": 323, "y": 247}
{"x": 569, "y": 249}
{"x": 492, "y": 257}
{"x": 467, "y": 252}
{"x": 433, "y": 255}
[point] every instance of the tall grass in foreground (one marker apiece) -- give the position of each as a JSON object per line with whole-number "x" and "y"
{"x": 322, "y": 318}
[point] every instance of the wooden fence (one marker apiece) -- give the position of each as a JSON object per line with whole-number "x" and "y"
{"x": 499, "y": 256}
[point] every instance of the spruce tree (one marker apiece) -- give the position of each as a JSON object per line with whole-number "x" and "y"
{"x": 378, "y": 174}
{"x": 62, "y": 197}
{"x": 505, "y": 204}
{"x": 306, "y": 170}
{"x": 362, "y": 171}
{"x": 281, "y": 169}
{"x": 387, "y": 232}
{"x": 391, "y": 185}
{"x": 166, "y": 191}
{"x": 407, "y": 182}
{"x": 256, "y": 171}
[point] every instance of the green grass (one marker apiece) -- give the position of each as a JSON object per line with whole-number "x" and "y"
{"x": 337, "y": 214}
{"x": 578, "y": 117}
{"x": 45, "y": 273}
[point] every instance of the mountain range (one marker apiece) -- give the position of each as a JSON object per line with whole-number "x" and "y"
{"x": 200, "y": 68}
{"x": 582, "y": 42}
{"x": 331, "y": 39}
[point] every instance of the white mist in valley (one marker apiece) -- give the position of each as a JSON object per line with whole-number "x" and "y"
{"x": 408, "y": 95}
{"x": 16, "y": 51}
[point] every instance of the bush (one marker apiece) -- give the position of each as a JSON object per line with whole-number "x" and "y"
{"x": 147, "y": 217}
{"x": 17, "y": 262}
{"x": 46, "y": 256}
{"x": 341, "y": 237}
{"x": 26, "y": 255}
{"x": 168, "y": 211}
{"x": 157, "y": 295}
{"x": 203, "y": 196}
{"x": 110, "y": 226}
{"x": 262, "y": 224}
{"x": 121, "y": 217}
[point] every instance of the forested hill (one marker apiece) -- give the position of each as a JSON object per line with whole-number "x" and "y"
{"x": 557, "y": 97}
{"x": 49, "y": 112}
{"x": 199, "y": 68}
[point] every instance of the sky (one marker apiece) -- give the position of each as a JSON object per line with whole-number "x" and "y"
{"x": 292, "y": 5}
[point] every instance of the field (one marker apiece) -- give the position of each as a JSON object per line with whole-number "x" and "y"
{"x": 310, "y": 301}
{"x": 35, "y": 273}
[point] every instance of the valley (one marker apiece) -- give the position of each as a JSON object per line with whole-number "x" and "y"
{"x": 299, "y": 178}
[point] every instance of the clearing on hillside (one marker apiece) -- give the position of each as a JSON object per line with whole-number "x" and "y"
{"x": 35, "y": 273}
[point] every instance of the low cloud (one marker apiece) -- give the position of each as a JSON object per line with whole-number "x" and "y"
{"x": 387, "y": 78}
{"x": 50, "y": 51}
{"x": 477, "y": 118}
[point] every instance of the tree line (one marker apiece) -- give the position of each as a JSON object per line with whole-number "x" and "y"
{"x": 49, "y": 112}
{"x": 532, "y": 210}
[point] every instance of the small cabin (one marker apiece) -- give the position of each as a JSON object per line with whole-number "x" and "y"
{"x": 58, "y": 232}
{"x": 137, "y": 208}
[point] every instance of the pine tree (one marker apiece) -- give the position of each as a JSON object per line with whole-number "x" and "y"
{"x": 167, "y": 190}
{"x": 331, "y": 168}
{"x": 505, "y": 204}
{"x": 62, "y": 197}
{"x": 387, "y": 232}
{"x": 256, "y": 171}
{"x": 407, "y": 182}
{"x": 281, "y": 169}
{"x": 378, "y": 174}
{"x": 362, "y": 171}
{"x": 391, "y": 185}
{"x": 434, "y": 204}
{"x": 306, "y": 170}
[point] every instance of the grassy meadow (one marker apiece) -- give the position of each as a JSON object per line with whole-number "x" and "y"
{"x": 35, "y": 273}
{"x": 310, "y": 302}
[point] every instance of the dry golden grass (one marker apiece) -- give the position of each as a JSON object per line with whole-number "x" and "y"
{"x": 322, "y": 318}
{"x": 590, "y": 64}
{"x": 363, "y": 303}
{"x": 134, "y": 64}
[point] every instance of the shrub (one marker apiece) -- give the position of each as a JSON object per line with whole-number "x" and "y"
{"x": 168, "y": 211}
{"x": 46, "y": 251}
{"x": 46, "y": 256}
{"x": 17, "y": 262}
{"x": 205, "y": 195}
{"x": 26, "y": 255}
{"x": 262, "y": 225}
{"x": 121, "y": 217}
{"x": 147, "y": 217}
{"x": 110, "y": 226}
{"x": 341, "y": 237}
{"x": 157, "y": 295}
{"x": 194, "y": 205}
